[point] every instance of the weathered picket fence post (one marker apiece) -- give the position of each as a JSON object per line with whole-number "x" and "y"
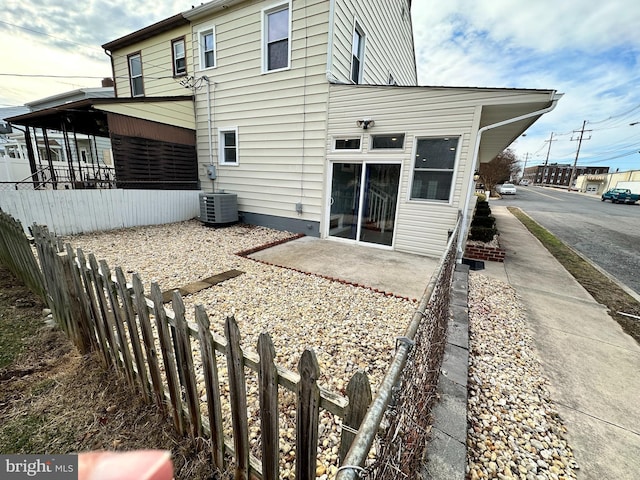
{"x": 359, "y": 393}
{"x": 169, "y": 358}
{"x": 212, "y": 386}
{"x": 268, "y": 388}
{"x": 185, "y": 365}
{"x": 238, "y": 397}
{"x": 308, "y": 415}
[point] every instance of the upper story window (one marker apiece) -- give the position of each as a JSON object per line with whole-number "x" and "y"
{"x": 433, "y": 167}
{"x": 135, "y": 74}
{"x": 228, "y": 146}
{"x": 179, "y": 57}
{"x": 357, "y": 54}
{"x": 276, "y": 31}
{"x": 207, "y": 45}
{"x": 387, "y": 141}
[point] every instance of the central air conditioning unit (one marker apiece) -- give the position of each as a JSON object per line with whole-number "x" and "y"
{"x": 218, "y": 208}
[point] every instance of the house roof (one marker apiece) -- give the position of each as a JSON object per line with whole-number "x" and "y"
{"x": 83, "y": 116}
{"x": 71, "y": 96}
{"x": 147, "y": 32}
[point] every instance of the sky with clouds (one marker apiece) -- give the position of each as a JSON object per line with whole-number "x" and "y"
{"x": 590, "y": 51}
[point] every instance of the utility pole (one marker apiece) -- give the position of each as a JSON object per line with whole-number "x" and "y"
{"x": 524, "y": 169}
{"x": 546, "y": 160}
{"x": 580, "y": 138}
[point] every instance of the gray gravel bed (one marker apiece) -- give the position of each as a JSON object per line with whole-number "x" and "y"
{"x": 514, "y": 428}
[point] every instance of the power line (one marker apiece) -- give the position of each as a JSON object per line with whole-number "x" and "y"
{"x": 92, "y": 47}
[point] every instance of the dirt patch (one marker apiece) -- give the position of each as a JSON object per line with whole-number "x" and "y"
{"x": 54, "y": 400}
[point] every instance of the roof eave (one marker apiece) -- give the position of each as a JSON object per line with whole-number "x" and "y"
{"x": 170, "y": 23}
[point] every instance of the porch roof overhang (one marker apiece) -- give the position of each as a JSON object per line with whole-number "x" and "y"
{"x": 512, "y": 120}
{"x": 87, "y": 116}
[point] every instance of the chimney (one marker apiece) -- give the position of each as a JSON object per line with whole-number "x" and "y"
{"x": 107, "y": 82}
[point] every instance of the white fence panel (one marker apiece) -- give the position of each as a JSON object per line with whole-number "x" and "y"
{"x": 68, "y": 212}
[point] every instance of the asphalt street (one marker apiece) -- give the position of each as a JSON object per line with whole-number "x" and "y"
{"x": 607, "y": 234}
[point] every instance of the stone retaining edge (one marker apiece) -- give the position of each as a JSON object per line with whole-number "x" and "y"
{"x": 446, "y": 455}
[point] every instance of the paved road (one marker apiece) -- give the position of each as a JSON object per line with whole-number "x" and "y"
{"x": 607, "y": 234}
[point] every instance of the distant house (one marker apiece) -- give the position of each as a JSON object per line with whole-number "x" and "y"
{"x": 54, "y": 156}
{"x": 310, "y": 112}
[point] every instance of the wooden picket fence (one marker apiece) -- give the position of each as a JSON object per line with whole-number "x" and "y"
{"x": 16, "y": 254}
{"x": 151, "y": 347}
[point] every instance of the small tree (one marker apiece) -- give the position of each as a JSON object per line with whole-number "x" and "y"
{"x": 499, "y": 170}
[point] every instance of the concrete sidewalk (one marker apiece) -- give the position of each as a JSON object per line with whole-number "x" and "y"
{"x": 593, "y": 367}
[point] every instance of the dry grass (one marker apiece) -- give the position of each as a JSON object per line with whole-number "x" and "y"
{"x": 52, "y": 400}
{"x": 601, "y": 288}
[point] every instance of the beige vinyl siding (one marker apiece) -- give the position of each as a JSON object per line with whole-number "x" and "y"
{"x": 421, "y": 226}
{"x": 280, "y": 116}
{"x": 388, "y": 41}
{"x": 157, "y": 65}
{"x": 178, "y": 113}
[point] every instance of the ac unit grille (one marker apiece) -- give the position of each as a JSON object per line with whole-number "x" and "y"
{"x": 218, "y": 208}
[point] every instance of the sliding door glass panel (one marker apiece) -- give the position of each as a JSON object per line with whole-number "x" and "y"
{"x": 345, "y": 200}
{"x": 379, "y": 206}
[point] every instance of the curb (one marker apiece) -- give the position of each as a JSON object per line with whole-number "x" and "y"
{"x": 446, "y": 456}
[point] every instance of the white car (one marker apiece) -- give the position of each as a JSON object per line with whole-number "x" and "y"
{"x": 506, "y": 189}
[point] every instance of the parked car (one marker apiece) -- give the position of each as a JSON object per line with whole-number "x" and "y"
{"x": 524, "y": 182}
{"x": 506, "y": 189}
{"x": 620, "y": 195}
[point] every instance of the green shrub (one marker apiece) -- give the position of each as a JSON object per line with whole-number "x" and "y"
{"x": 483, "y": 221}
{"x": 482, "y": 234}
{"x": 482, "y": 211}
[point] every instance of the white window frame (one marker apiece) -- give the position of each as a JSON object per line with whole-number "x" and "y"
{"x": 221, "y": 146}
{"x": 175, "y": 58}
{"x": 132, "y": 77}
{"x": 456, "y": 164}
{"x": 265, "y": 35}
{"x": 387, "y": 150}
{"x": 346, "y": 137}
{"x": 202, "y": 32}
{"x": 357, "y": 28}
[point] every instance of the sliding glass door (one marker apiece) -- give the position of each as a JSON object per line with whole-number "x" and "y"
{"x": 363, "y": 201}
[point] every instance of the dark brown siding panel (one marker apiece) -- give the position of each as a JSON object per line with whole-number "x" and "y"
{"x": 137, "y": 127}
{"x": 143, "y": 163}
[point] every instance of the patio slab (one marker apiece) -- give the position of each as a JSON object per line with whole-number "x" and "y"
{"x": 397, "y": 273}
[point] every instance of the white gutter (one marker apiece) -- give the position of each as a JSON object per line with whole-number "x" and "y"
{"x": 205, "y": 9}
{"x": 332, "y": 6}
{"x": 465, "y": 213}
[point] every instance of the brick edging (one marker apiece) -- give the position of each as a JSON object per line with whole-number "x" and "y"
{"x": 482, "y": 252}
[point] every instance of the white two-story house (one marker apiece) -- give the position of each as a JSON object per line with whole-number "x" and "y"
{"x": 309, "y": 111}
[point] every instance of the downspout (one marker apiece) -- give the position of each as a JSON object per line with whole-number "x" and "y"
{"x": 113, "y": 71}
{"x": 332, "y": 7}
{"x": 209, "y": 127}
{"x": 465, "y": 213}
